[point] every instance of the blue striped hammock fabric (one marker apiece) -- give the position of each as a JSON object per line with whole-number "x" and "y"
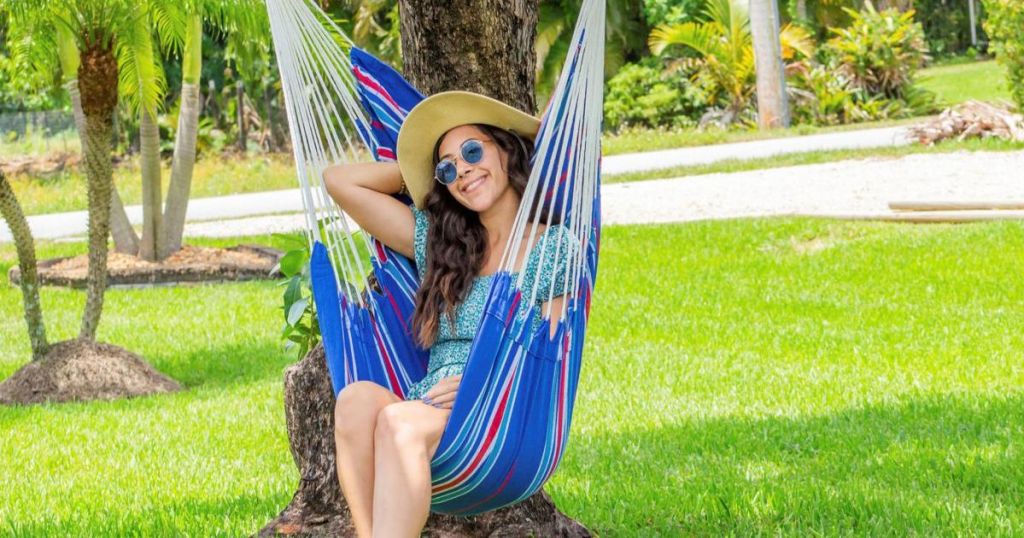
{"x": 511, "y": 420}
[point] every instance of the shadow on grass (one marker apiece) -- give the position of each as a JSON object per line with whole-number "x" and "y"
{"x": 935, "y": 465}
{"x": 226, "y": 365}
{"x": 239, "y": 516}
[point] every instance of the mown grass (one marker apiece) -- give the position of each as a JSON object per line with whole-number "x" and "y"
{"x": 749, "y": 377}
{"x": 959, "y": 82}
{"x": 817, "y": 157}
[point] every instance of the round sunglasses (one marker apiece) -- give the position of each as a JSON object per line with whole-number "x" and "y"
{"x": 472, "y": 152}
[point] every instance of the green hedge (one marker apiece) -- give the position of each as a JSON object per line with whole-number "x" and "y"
{"x": 1005, "y": 27}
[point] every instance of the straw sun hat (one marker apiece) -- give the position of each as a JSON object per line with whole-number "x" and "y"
{"x": 436, "y": 115}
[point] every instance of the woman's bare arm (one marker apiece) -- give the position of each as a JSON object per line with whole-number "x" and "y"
{"x": 364, "y": 191}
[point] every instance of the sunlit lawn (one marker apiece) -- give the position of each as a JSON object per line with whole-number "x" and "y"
{"x": 750, "y": 377}
{"x": 956, "y": 83}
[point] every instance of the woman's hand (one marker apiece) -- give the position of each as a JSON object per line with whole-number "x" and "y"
{"x": 442, "y": 395}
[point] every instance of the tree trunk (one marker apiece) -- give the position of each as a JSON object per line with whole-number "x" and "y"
{"x": 97, "y": 77}
{"x": 185, "y": 142}
{"x": 125, "y": 238}
{"x": 318, "y": 506}
{"x": 11, "y": 211}
{"x": 483, "y": 46}
{"x": 240, "y": 114}
{"x": 772, "y": 109}
{"x": 149, "y": 143}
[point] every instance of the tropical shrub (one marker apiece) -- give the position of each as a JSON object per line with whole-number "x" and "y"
{"x": 1005, "y": 26}
{"x": 643, "y": 96}
{"x": 720, "y": 54}
{"x": 879, "y": 51}
{"x": 657, "y": 12}
{"x": 865, "y": 73}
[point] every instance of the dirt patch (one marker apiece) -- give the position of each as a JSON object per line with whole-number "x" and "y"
{"x": 190, "y": 264}
{"x": 42, "y": 166}
{"x": 83, "y": 370}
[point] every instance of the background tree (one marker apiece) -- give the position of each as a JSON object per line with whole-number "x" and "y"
{"x": 102, "y": 30}
{"x": 772, "y": 109}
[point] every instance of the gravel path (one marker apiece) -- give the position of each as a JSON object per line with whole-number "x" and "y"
{"x": 846, "y": 188}
{"x": 855, "y": 188}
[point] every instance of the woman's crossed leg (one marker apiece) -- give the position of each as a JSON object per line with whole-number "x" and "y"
{"x": 384, "y": 447}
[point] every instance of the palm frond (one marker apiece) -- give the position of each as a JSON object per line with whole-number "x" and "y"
{"x": 141, "y": 79}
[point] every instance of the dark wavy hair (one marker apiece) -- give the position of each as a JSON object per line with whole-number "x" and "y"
{"x": 457, "y": 241}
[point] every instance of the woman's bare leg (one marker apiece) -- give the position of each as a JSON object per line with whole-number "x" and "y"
{"x": 407, "y": 435}
{"x": 355, "y": 418}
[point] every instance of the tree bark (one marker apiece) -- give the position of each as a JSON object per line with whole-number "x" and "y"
{"x": 181, "y": 171}
{"x": 11, "y": 211}
{"x": 483, "y": 46}
{"x": 772, "y": 109}
{"x": 318, "y": 506}
{"x": 97, "y": 76}
{"x": 240, "y": 113}
{"x": 125, "y": 239}
{"x": 149, "y": 143}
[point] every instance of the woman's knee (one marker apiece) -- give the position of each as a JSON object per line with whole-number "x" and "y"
{"x": 356, "y": 408}
{"x": 397, "y": 425}
{"x": 409, "y": 425}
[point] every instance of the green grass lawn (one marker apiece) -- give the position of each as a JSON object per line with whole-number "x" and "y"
{"x": 956, "y": 83}
{"x": 751, "y": 377}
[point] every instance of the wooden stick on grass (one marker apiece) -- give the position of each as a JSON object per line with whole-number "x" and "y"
{"x": 955, "y": 206}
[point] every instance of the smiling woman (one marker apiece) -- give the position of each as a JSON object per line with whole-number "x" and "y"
{"x": 466, "y": 169}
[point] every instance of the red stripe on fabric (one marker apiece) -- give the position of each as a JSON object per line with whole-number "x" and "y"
{"x": 392, "y": 375}
{"x": 488, "y": 441}
{"x": 504, "y": 484}
{"x": 386, "y": 153}
{"x": 382, "y": 254}
{"x": 372, "y": 83}
{"x": 512, "y": 309}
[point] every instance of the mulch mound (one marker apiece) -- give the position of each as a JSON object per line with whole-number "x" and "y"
{"x": 190, "y": 264}
{"x": 83, "y": 370}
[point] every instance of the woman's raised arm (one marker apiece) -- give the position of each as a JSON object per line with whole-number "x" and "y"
{"x": 364, "y": 191}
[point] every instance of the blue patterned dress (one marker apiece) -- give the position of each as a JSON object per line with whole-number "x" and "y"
{"x": 450, "y": 351}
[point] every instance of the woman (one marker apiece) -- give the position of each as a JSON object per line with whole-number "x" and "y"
{"x": 464, "y": 160}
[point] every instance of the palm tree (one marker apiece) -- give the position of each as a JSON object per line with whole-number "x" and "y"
{"x": 102, "y": 31}
{"x": 724, "y": 66}
{"x": 247, "y": 28}
{"x": 771, "y": 80}
{"x": 11, "y": 212}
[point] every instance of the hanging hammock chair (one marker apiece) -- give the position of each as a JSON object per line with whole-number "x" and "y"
{"x": 509, "y": 425}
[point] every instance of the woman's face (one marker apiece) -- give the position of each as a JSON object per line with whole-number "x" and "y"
{"x": 479, "y": 185}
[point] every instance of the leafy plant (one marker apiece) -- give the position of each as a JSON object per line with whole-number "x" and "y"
{"x": 1005, "y": 25}
{"x": 879, "y": 51}
{"x": 644, "y": 96}
{"x": 301, "y": 329}
{"x": 724, "y": 64}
